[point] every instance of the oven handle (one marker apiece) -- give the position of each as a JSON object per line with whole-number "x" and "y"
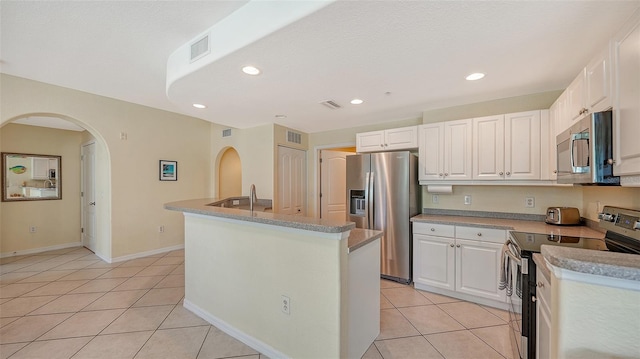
{"x": 522, "y": 262}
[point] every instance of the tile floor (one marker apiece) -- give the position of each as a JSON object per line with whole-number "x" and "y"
{"x": 70, "y": 304}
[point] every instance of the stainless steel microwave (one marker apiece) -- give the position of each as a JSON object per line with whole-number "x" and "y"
{"x": 585, "y": 151}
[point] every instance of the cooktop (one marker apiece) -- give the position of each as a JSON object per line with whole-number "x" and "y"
{"x": 531, "y": 242}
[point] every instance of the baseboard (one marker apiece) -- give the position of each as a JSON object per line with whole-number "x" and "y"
{"x": 464, "y": 296}
{"x": 40, "y": 250}
{"x": 255, "y": 344}
{"x": 129, "y": 257}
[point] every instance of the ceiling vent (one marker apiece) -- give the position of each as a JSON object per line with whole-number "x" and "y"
{"x": 200, "y": 48}
{"x": 226, "y": 133}
{"x": 294, "y": 137}
{"x": 330, "y": 104}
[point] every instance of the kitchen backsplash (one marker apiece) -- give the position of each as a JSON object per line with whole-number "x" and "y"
{"x": 511, "y": 199}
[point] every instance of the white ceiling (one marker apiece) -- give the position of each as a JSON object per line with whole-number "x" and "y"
{"x": 418, "y": 51}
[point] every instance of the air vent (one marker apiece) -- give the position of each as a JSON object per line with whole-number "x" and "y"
{"x": 226, "y": 133}
{"x": 200, "y": 48}
{"x": 330, "y": 104}
{"x": 294, "y": 137}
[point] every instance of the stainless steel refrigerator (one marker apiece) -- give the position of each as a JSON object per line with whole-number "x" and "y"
{"x": 383, "y": 194}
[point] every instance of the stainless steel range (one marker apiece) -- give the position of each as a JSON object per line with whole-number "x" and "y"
{"x": 622, "y": 235}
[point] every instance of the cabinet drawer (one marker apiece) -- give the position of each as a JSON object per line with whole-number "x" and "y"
{"x": 481, "y": 234}
{"x": 432, "y": 229}
{"x": 543, "y": 289}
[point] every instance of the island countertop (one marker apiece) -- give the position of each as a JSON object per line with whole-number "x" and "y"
{"x": 202, "y": 206}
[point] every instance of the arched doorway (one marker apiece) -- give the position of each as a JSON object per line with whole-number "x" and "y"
{"x": 229, "y": 173}
{"x": 61, "y": 221}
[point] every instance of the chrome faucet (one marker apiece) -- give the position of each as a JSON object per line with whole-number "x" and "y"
{"x": 50, "y": 183}
{"x": 252, "y": 197}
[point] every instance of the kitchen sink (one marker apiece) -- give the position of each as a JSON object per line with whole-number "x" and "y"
{"x": 261, "y": 205}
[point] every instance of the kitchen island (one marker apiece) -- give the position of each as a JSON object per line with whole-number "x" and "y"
{"x": 287, "y": 286}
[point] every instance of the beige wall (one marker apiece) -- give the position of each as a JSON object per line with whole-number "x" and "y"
{"x": 129, "y": 195}
{"x": 230, "y": 174}
{"x": 57, "y": 221}
{"x": 255, "y": 149}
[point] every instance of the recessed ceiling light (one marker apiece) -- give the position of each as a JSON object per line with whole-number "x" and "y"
{"x": 356, "y": 101}
{"x": 281, "y": 116}
{"x": 475, "y": 76}
{"x": 197, "y": 105}
{"x": 251, "y": 70}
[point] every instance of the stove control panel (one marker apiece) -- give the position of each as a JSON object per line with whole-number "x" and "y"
{"x": 620, "y": 220}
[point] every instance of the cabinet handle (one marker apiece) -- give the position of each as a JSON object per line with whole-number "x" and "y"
{"x": 533, "y": 299}
{"x": 92, "y": 203}
{"x": 386, "y": 144}
{"x": 441, "y": 174}
{"x": 479, "y": 234}
{"x": 451, "y": 245}
{"x": 381, "y": 145}
{"x": 457, "y": 245}
{"x": 501, "y": 173}
{"x": 433, "y": 229}
{"x": 555, "y": 171}
{"x": 540, "y": 285}
{"x": 508, "y": 173}
{"x": 446, "y": 174}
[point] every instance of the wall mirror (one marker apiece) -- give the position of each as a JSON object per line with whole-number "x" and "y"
{"x": 29, "y": 177}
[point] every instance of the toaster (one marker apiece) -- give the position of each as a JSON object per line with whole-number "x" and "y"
{"x": 563, "y": 216}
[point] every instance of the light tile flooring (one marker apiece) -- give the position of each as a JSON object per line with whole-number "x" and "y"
{"x": 70, "y": 304}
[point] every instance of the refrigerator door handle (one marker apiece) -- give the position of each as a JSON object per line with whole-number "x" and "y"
{"x": 366, "y": 205}
{"x": 370, "y": 209}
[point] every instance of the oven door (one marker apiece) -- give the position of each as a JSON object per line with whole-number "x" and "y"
{"x": 518, "y": 340}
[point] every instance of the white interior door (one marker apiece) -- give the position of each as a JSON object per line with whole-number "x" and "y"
{"x": 292, "y": 183}
{"x": 333, "y": 185}
{"x": 88, "y": 197}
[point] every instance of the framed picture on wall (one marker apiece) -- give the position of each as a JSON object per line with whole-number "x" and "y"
{"x": 168, "y": 170}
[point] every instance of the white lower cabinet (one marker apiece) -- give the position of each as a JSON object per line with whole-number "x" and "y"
{"x": 459, "y": 261}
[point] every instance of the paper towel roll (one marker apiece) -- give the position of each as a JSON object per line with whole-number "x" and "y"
{"x": 439, "y": 188}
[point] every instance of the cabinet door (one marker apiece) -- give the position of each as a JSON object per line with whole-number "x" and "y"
{"x": 401, "y": 138}
{"x": 488, "y": 148}
{"x": 433, "y": 261}
{"x": 548, "y": 149}
{"x": 543, "y": 313}
{"x": 522, "y": 146}
{"x": 560, "y": 117}
{"x": 598, "y": 75}
{"x": 457, "y": 150}
{"x": 576, "y": 98}
{"x": 430, "y": 151}
{"x": 478, "y": 269}
{"x": 370, "y": 141}
{"x": 39, "y": 168}
{"x": 627, "y": 116}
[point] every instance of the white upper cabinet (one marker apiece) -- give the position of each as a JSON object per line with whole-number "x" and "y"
{"x": 522, "y": 146}
{"x": 627, "y": 109}
{"x": 507, "y": 147}
{"x": 387, "y": 140}
{"x": 445, "y": 151}
{"x": 576, "y": 97}
{"x": 589, "y": 92}
{"x": 598, "y": 82}
{"x": 488, "y": 148}
{"x": 40, "y": 168}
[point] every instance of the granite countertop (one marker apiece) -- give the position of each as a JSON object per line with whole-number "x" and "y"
{"x": 603, "y": 263}
{"x": 201, "y": 206}
{"x": 510, "y": 225}
{"x": 358, "y": 238}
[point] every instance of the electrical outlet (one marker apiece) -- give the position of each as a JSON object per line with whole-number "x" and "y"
{"x": 467, "y": 199}
{"x": 236, "y": 202}
{"x": 33, "y": 229}
{"x": 435, "y": 198}
{"x": 529, "y": 202}
{"x": 161, "y": 229}
{"x": 286, "y": 305}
